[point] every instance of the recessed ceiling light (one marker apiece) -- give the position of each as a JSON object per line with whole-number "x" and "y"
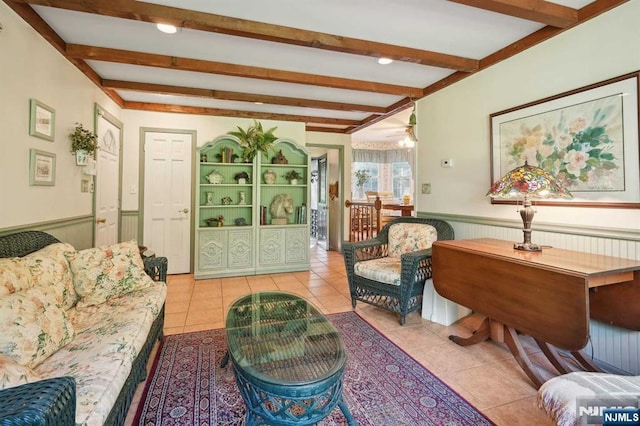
{"x": 166, "y": 28}
{"x": 384, "y": 61}
{"x": 259, "y": 103}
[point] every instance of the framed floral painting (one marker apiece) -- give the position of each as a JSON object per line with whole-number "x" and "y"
{"x": 587, "y": 138}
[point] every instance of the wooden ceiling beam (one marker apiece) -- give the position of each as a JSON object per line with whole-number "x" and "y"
{"x": 324, "y": 129}
{"x": 198, "y": 65}
{"x": 147, "y": 12}
{"x": 183, "y": 109}
{"x": 544, "y": 12}
{"x": 241, "y": 97}
{"x": 30, "y": 16}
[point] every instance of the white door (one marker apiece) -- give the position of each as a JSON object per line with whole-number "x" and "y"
{"x": 167, "y": 197}
{"x": 107, "y": 182}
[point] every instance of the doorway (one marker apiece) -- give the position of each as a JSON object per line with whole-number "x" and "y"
{"x": 334, "y": 199}
{"x": 107, "y": 176}
{"x": 167, "y": 200}
{"x": 322, "y": 210}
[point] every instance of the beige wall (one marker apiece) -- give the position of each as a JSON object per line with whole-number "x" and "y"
{"x": 454, "y": 122}
{"x": 31, "y": 68}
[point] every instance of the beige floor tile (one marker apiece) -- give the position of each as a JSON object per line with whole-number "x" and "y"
{"x": 204, "y": 303}
{"x": 204, "y": 316}
{"x": 522, "y": 412}
{"x": 175, "y": 320}
{"x": 205, "y": 326}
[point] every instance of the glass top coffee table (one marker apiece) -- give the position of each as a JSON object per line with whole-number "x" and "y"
{"x": 287, "y": 357}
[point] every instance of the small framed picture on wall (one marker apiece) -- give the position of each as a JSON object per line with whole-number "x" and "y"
{"x": 42, "y": 120}
{"x": 42, "y": 168}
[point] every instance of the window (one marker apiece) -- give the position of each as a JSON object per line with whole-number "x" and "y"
{"x": 401, "y": 173}
{"x": 373, "y": 170}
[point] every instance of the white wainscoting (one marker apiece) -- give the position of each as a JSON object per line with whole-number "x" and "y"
{"x": 129, "y": 226}
{"x": 610, "y": 345}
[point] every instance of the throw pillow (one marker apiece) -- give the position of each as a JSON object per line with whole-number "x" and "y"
{"x": 409, "y": 237}
{"x": 13, "y": 374}
{"x": 33, "y": 326}
{"x": 46, "y": 268}
{"x": 102, "y": 273}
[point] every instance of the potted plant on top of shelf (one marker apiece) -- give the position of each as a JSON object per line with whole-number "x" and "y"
{"x": 241, "y": 177}
{"x": 255, "y": 140}
{"x": 84, "y": 143}
{"x": 292, "y": 176}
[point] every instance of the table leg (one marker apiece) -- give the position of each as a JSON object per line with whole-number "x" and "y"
{"x": 553, "y": 356}
{"x": 346, "y": 412}
{"x": 584, "y": 361}
{"x": 480, "y": 335}
{"x": 513, "y": 343}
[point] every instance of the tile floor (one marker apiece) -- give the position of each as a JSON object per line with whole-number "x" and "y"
{"x": 485, "y": 374}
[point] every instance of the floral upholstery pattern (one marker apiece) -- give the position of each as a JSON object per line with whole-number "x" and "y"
{"x": 105, "y": 272}
{"x": 385, "y": 270}
{"x": 409, "y": 237}
{"x": 47, "y": 265}
{"x": 107, "y": 340}
{"x": 33, "y": 325}
{"x": 13, "y": 374}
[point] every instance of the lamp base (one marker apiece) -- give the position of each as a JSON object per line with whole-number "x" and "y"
{"x": 527, "y": 247}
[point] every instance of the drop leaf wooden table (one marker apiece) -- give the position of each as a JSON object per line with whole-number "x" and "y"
{"x": 549, "y": 295}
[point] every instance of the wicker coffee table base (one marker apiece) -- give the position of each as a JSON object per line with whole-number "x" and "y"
{"x": 291, "y": 405}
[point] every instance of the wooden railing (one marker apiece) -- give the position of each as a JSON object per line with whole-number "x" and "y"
{"x": 364, "y": 219}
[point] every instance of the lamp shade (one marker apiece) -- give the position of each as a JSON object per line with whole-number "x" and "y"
{"x": 528, "y": 180}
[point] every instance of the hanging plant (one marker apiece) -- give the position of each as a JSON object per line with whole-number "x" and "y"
{"x": 255, "y": 140}
{"x": 83, "y": 139}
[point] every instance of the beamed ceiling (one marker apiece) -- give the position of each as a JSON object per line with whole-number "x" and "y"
{"x": 293, "y": 60}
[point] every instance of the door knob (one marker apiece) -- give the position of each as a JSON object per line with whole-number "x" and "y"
{"x": 183, "y": 211}
{"x": 101, "y": 220}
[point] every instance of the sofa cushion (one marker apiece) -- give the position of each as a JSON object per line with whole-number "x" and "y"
{"x": 47, "y": 268}
{"x": 558, "y": 396}
{"x": 13, "y": 374}
{"x": 108, "y": 339}
{"x": 384, "y": 269}
{"x": 109, "y": 271}
{"x": 408, "y": 237}
{"x": 33, "y": 326}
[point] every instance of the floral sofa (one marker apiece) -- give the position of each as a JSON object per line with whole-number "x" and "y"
{"x": 77, "y": 329}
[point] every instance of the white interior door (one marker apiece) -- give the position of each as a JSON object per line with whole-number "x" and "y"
{"x": 107, "y": 182}
{"x": 167, "y": 197}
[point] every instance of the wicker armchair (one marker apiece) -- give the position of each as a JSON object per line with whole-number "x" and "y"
{"x": 400, "y": 290}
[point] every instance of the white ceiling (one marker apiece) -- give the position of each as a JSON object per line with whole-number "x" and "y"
{"x": 252, "y": 68}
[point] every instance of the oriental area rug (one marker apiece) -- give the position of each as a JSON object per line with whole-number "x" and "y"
{"x": 383, "y": 385}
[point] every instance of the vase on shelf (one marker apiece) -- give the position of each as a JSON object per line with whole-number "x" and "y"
{"x": 361, "y": 192}
{"x": 269, "y": 177}
{"x": 210, "y": 201}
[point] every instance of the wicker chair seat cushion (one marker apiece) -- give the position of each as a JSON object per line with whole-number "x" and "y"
{"x": 109, "y": 271}
{"x": 410, "y": 237}
{"x": 385, "y": 269}
{"x": 33, "y": 326}
{"x": 13, "y": 374}
{"x": 108, "y": 338}
{"x": 46, "y": 268}
{"x": 558, "y": 395}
